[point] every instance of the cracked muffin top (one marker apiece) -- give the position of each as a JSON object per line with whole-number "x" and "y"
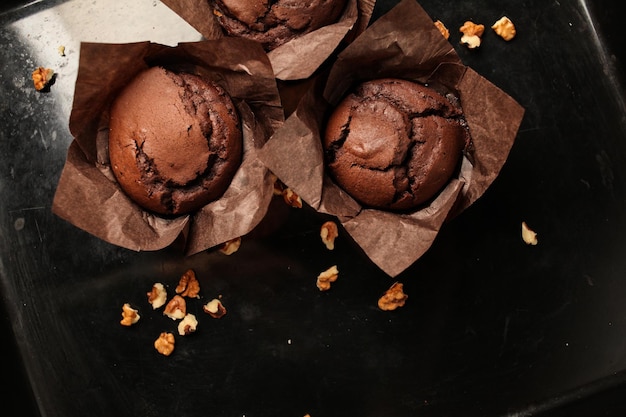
{"x": 175, "y": 141}
{"x": 393, "y": 144}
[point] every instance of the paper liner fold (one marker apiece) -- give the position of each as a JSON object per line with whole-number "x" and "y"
{"x": 403, "y": 43}
{"x": 87, "y": 194}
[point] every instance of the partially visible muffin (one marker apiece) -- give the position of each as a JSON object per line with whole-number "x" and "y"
{"x": 273, "y": 23}
{"x": 175, "y": 141}
{"x": 393, "y": 144}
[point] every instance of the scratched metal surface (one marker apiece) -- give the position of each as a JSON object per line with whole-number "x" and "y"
{"x": 493, "y": 327}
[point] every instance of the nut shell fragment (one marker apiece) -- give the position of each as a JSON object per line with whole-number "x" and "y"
{"x": 528, "y": 235}
{"x": 393, "y": 298}
{"x": 187, "y": 325}
{"x": 504, "y": 28}
{"x": 231, "y": 246}
{"x": 442, "y": 28}
{"x": 215, "y": 308}
{"x": 292, "y": 198}
{"x": 130, "y": 315}
{"x": 188, "y": 285}
{"x": 157, "y": 296}
{"x": 165, "y": 343}
{"x": 328, "y": 233}
{"x": 176, "y": 308}
{"x": 42, "y": 77}
{"x": 472, "y": 34}
{"x": 327, "y": 277}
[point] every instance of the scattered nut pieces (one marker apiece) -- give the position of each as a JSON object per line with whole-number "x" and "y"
{"x": 231, "y": 246}
{"x": 157, "y": 296}
{"x": 442, "y": 28}
{"x": 327, "y": 277}
{"x": 292, "y": 198}
{"x": 165, "y": 343}
{"x": 188, "y": 285}
{"x": 215, "y": 308}
{"x": 187, "y": 325}
{"x": 472, "y": 34}
{"x": 42, "y": 77}
{"x": 504, "y": 28}
{"x": 130, "y": 316}
{"x": 61, "y": 50}
{"x": 528, "y": 235}
{"x": 393, "y": 298}
{"x": 176, "y": 308}
{"x": 329, "y": 233}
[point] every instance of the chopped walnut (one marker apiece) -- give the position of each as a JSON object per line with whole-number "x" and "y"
{"x": 472, "y": 34}
{"x": 165, "y": 343}
{"x": 393, "y": 298}
{"x": 188, "y": 285}
{"x": 442, "y": 28}
{"x": 176, "y": 308}
{"x": 215, "y": 308}
{"x": 42, "y": 77}
{"x": 187, "y": 325}
{"x": 329, "y": 233}
{"x": 504, "y": 28}
{"x": 217, "y": 13}
{"x": 231, "y": 246}
{"x": 292, "y": 198}
{"x": 157, "y": 296}
{"x": 327, "y": 277}
{"x": 528, "y": 235}
{"x": 61, "y": 50}
{"x": 130, "y": 316}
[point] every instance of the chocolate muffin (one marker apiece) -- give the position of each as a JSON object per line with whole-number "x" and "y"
{"x": 394, "y": 144}
{"x": 175, "y": 141}
{"x": 275, "y": 22}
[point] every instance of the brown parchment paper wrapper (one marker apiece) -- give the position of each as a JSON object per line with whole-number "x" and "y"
{"x": 88, "y": 195}
{"x": 299, "y": 58}
{"x": 403, "y": 43}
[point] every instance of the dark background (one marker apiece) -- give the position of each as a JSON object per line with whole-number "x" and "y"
{"x": 494, "y": 328}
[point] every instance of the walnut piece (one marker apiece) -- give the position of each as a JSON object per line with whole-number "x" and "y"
{"x": 157, "y": 296}
{"x": 442, "y": 28}
{"x": 504, "y": 28}
{"x": 176, "y": 308}
{"x": 329, "y": 233}
{"x": 188, "y": 285}
{"x": 393, "y": 298}
{"x": 528, "y": 235}
{"x": 279, "y": 187}
{"x": 61, "y": 50}
{"x": 187, "y": 325}
{"x": 292, "y": 198}
{"x": 231, "y": 246}
{"x": 472, "y": 34}
{"x": 327, "y": 277}
{"x": 42, "y": 77}
{"x": 165, "y": 343}
{"x": 215, "y": 308}
{"x": 130, "y": 316}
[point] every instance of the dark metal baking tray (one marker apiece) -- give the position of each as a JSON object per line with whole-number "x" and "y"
{"x": 493, "y": 327}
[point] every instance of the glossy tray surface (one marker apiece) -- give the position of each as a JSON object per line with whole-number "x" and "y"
{"x": 492, "y": 327}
